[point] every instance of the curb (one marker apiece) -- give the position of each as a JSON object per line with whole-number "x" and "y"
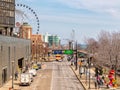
{"x": 78, "y": 78}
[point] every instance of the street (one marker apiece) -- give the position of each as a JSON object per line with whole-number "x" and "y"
{"x": 56, "y": 76}
{"x": 63, "y": 77}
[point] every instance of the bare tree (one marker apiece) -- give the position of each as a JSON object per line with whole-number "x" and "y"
{"x": 106, "y": 49}
{"x": 92, "y": 45}
{"x": 116, "y": 49}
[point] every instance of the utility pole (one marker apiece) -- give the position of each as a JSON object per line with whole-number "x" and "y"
{"x": 13, "y": 74}
{"x": 72, "y": 39}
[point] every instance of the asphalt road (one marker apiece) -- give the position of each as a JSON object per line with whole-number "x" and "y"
{"x": 55, "y": 76}
{"x": 63, "y": 78}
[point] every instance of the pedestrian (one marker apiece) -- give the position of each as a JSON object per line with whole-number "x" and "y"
{"x": 71, "y": 59}
{"x": 16, "y": 75}
{"x": 81, "y": 71}
{"x": 74, "y": 59}
{"x": 95, "y": 82}
{"x": 103, "y": 80}
{"x": 99, "y": 82}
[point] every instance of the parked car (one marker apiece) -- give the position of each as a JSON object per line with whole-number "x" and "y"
{"x": 31, "y": 76}
{"x": 35, "y": 66}
{"x": 25, "y": 79}
{"x": 33, "y": 72}
{"x": 39, "y": 66}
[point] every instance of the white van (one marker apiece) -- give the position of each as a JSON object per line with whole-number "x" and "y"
{"x": 25, "y": 79}
{"x": 33, "y": 72}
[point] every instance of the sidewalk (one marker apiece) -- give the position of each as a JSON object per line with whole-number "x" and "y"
{"x": 8, "y": 85}
{"x": 84, "y": 80}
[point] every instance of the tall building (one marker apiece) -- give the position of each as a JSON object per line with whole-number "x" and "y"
{"x": 7, "y": 17}
{"x": 45, "y": 37}
{"x": 52, "y": 40}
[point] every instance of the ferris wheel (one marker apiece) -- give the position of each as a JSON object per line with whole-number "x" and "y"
{"x": 24, "y": 13}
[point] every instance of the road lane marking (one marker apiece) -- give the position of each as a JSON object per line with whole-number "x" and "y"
{"x": 52, "y": 77}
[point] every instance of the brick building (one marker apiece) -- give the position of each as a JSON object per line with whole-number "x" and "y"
{"x": 25, "y": 31}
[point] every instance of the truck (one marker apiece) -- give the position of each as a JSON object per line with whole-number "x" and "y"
{"x": 25, "y": 79}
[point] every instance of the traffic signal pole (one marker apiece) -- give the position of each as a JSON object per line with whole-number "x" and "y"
{"x": 76, "y": 56}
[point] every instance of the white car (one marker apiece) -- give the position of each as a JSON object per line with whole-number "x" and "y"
{"x": 33, "y": 72}
{"x": 25, "y": 79}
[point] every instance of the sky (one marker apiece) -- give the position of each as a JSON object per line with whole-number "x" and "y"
{"x": 87, "y": 18}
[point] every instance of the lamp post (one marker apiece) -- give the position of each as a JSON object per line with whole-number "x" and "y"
{"x": 33, "y": 49}
{"x": 12, "y": 74}
{"x": 36, "y": 50}
{"x": 86, "y": 72}
{"x": 36, "y": 45}
{"x": 89, "y": 65}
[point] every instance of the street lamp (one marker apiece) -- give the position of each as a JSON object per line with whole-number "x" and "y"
{"x": 33, "y": 49}
{"x": 86, "y": 71}
{"x": 36, "y": 44}
{"x": 36, "y": 50}
{"x": 89, "y": 65}
{"x": 12, "y": 74}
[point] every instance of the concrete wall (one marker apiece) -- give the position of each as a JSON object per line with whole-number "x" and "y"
{"x": 12, "y": 49}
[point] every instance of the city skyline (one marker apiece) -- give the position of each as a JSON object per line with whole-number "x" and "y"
{"x": 86, "y": 18}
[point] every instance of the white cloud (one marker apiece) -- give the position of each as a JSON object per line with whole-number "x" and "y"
{"x": 77, "y": 19}
{"x": 114, "y": 12}
{"x": 103, "y": 6}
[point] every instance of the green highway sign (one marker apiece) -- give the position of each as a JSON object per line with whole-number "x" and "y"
{"x": 68, "y": 52}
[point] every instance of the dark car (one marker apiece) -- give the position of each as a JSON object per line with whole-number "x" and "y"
{"x": 118, "y": 72}
{"x": 39, "y": 66}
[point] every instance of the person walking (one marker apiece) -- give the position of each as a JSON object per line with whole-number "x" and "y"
{"x": 16, "y": 75}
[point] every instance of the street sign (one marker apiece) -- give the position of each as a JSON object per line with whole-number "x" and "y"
{"x": 57, "y": 51}
{"x": 68, "y": 52}
{"x": 17, "y": 24}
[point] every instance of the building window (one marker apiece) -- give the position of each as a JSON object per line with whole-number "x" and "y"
{"x": 7, "y": 12}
